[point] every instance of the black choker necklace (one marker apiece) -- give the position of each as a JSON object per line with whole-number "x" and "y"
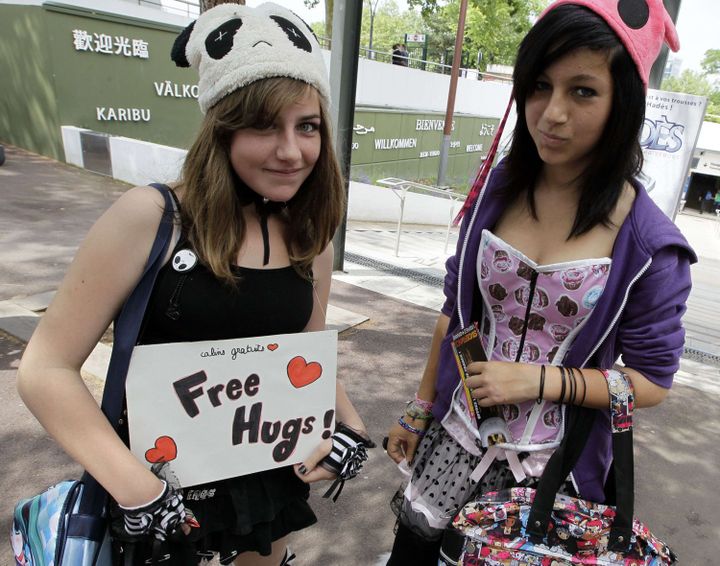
{"x": 265, "y": 207}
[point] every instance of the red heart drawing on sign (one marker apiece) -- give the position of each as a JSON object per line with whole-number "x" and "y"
{"x": 272, "y": 347}
{"x": 165, "y": 450}
{"x": 302, "y": 373}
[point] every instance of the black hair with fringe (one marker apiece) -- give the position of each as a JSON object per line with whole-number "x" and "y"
{"x": 617, "y": 158}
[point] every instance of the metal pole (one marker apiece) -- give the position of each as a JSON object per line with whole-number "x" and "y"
{"x": 400, "y": 220}
{"x": 347, "y": 21}
{"x": 447, "y": 232}
{"x": 444, "y": 150}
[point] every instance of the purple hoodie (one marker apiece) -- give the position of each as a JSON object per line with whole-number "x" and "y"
{"x": 637, "y": 316}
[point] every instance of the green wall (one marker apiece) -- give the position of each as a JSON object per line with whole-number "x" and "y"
{"x": 377, "y": 131}
{"x": 28, "y": 104}
{"x": 48, "y": 82}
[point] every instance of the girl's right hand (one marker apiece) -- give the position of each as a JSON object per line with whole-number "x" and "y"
{"x": 403, "y": 443}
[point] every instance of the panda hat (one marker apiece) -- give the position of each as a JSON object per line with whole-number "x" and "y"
{"x": 232, "y": 45}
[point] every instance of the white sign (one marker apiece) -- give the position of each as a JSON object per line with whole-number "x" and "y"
{"x": 110, "y": 45}
{"x": 395, "y": 143}
{"x": 222, "y": 409}
{"x": 672, "y": 125}
{"x": 414, "y": 38}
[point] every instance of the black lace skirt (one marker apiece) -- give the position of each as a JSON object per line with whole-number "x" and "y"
{"x": 243, "y": 514}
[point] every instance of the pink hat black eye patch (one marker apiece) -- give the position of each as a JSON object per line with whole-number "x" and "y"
{"x": 635, "y": 13}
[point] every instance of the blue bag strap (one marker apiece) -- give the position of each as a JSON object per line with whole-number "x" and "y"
{"x": 126, "y": 331}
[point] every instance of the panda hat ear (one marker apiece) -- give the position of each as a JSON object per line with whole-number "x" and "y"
{"x": 233, "y": 45}
{"x": 177, "y": 53}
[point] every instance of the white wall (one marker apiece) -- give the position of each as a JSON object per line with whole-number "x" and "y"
{"x": 71, "y": 144}
{"x": 139, "y": 162}
{"x": 381, "y": 204}
{"x": 392, "y": 86}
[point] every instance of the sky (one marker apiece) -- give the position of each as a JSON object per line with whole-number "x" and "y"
{"x": 697, "y": 25}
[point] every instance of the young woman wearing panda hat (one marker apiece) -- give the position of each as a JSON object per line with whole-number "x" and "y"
{"x": 259, "y": 200}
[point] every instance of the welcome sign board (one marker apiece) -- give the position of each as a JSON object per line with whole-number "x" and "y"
{"x": 220, "y": 409}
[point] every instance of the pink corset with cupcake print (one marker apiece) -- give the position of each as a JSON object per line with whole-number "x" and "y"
{"x": 536, "y": 311}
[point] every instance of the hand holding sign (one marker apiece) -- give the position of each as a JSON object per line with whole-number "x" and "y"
{"x": 242, "y": 405}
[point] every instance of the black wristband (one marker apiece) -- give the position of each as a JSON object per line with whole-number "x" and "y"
{"x": 562, "y": 385}
{"x": 572, "y": 386}
{"x": 582, "y": 400}
{"x": 541, "y": 391}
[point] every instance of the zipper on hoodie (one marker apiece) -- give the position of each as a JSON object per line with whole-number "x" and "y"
{"x": 464, "y": 249}
{"x": 620, "y": 310}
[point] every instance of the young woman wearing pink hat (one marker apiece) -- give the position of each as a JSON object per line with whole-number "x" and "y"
{"x": 564, "y": 263}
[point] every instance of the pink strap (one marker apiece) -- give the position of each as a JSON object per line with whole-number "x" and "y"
{"x": 490, "y": 456}
{"x": 484, "y": 170}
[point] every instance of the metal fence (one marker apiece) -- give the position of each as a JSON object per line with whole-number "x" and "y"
{"x": 401, "y": 187}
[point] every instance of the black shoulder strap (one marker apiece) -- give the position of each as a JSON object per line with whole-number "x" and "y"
{"x": 127, "y": 327}
{"x": 567, "y": 454}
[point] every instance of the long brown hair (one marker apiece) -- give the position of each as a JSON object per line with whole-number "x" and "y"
{"x": 212, "y": 192}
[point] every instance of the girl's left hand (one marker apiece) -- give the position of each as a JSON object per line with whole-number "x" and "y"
{"x": 500, "y": 383}
{"x": 313, "y": 471}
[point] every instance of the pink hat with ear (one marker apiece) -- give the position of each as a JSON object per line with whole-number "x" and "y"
{"x": 642, "y": 26}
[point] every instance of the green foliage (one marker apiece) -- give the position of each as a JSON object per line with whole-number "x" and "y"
{"x": 711, "y": 61}
{"x": 689, "y": 82}
{"x": 693, "y": 82}
{"x": 325, "y": 28}
{"x": 493, "y": 28}
{"x": 390, "y": 25}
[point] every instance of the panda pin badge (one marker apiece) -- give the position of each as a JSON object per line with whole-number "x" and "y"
{"x": 233, "y": 45}
{"x": 184, "y": 260}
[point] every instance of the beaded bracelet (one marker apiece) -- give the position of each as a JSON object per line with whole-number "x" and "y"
{"x": 410, "y": 428}
{"x": 425, "y": 405}
{"x": 419, "y": 412}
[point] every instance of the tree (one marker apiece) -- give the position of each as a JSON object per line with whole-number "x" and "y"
{"x": 711, "y": 62}
{"x": 329, "y": 5}
{"x": 389, "y": 26}
{"x": 693, "y": 82}
{"x": 493, "y": 27}
{"x": 689, "y": 82}
{"x": 207, "y": 4}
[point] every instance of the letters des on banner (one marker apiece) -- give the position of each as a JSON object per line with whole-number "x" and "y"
{"x": 219, "y": 409}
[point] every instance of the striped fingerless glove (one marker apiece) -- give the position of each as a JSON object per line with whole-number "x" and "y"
{"x": 346, "y": 458}
{"x": 159, "y": 518}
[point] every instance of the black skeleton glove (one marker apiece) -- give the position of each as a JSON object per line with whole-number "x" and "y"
{"x": 346, "y": 457}
{"x": 159, "y": 518}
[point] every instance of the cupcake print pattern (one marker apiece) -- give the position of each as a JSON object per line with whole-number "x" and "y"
{"x": 561, "y": 298}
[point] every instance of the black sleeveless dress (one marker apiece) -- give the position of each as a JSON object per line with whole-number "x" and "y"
{"x": 188, "y": 303}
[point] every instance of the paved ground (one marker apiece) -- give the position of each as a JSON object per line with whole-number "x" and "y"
{"x": 47, "y": 208}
